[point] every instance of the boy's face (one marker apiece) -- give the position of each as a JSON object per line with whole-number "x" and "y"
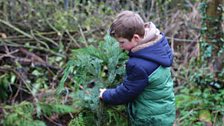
{"x": 126, "y": 44}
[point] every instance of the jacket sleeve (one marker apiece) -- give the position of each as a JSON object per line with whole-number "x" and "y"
{"x": 134, "y": 83}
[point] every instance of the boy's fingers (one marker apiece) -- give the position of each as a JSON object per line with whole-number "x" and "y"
{"x": 102, "y": 89}
{"x": 101, "y": 92}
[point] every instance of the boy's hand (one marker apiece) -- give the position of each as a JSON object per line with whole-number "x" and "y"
{"x": 101, "y": 92}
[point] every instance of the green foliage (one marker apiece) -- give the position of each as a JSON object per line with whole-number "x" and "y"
{"x": 65, "y": 20}
{"x": 77, "y": 121}
{"x": 211, "y": 31}
{"x": 49, "y": 109}
{"x": 21, "y": 115}
{"x": 200, "y": 105}
{"x": 199, "y": 99}
{"x": 5, "y": 81}
{"x": 96, "y": 111}
{"x": 93, "y": 68}
{"x": 191, "y": 75}
{"x": 104, "y": 64}
{"x": 199, "y": 95}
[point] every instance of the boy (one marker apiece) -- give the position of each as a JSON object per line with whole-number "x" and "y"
{"x": 148, "y": 86}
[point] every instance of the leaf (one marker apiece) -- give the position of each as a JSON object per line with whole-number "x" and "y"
{"x": 181, "y": 100}
{"x": 205, "y": 115}
{"x": 78, "y": 121}
{"x": 37, "y": 73}
{"x": 67, "y": 71}
{"x": 12, "y": 79}
{"x": 49, "y": 109}
{"x": 21, "y": 115}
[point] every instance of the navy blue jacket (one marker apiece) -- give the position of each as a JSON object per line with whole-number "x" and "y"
{"x": 139, "y": 66}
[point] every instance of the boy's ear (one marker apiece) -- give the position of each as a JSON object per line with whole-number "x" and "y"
{"x": 136, "y": 37}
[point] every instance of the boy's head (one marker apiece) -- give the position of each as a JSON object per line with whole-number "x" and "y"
{"x": 128, "y": 29}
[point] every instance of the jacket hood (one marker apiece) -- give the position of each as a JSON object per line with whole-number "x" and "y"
{"x": 160, "y": 53}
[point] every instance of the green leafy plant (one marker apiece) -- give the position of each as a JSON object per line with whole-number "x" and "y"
{"x": 20, "y": 115}
{"x": 199, "y": 101}
{"x": 77, "y": 121}
{"x": 6, "y": 80}
{"x": 49, "y": 109}
{"x": 196, "y": 105}
{"x": 103, "y": 64}
{"x": 92, "y": 68}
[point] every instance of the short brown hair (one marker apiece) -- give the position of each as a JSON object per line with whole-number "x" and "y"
{"x": 126, "y": 24}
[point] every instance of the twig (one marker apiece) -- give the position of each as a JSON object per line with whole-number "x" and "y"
{"x": 71, "y": 115}
{"x": 66, "y": 96}
{"x": 9, "y": 54}
{"x": 32, "y": 47}
{"x": 33, "y": 56}
{"x": 42, "y": 33}
{"x": 24, "y": 40}
{"x": 151, "y": 8}
{"x": 181, "y": 40}
{"x": 85, "y": 42}
{"x": 72, "y": 38}
{"x": 55, "y": 29}
{"x": 186, "y": 115}
{"x": 48, "y": 39}
{"x": 27, "y": 85}
{"x": 17, "y": 92}
{"x": 15, "y": 28}
{"x": 8, "y": 68}
{"x": 215, "y": 118}
{"x": 39, "y": 40}
{"x": 57, "y": 124}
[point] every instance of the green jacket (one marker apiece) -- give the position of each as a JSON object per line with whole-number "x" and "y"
{"x": 155, "y": 106}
